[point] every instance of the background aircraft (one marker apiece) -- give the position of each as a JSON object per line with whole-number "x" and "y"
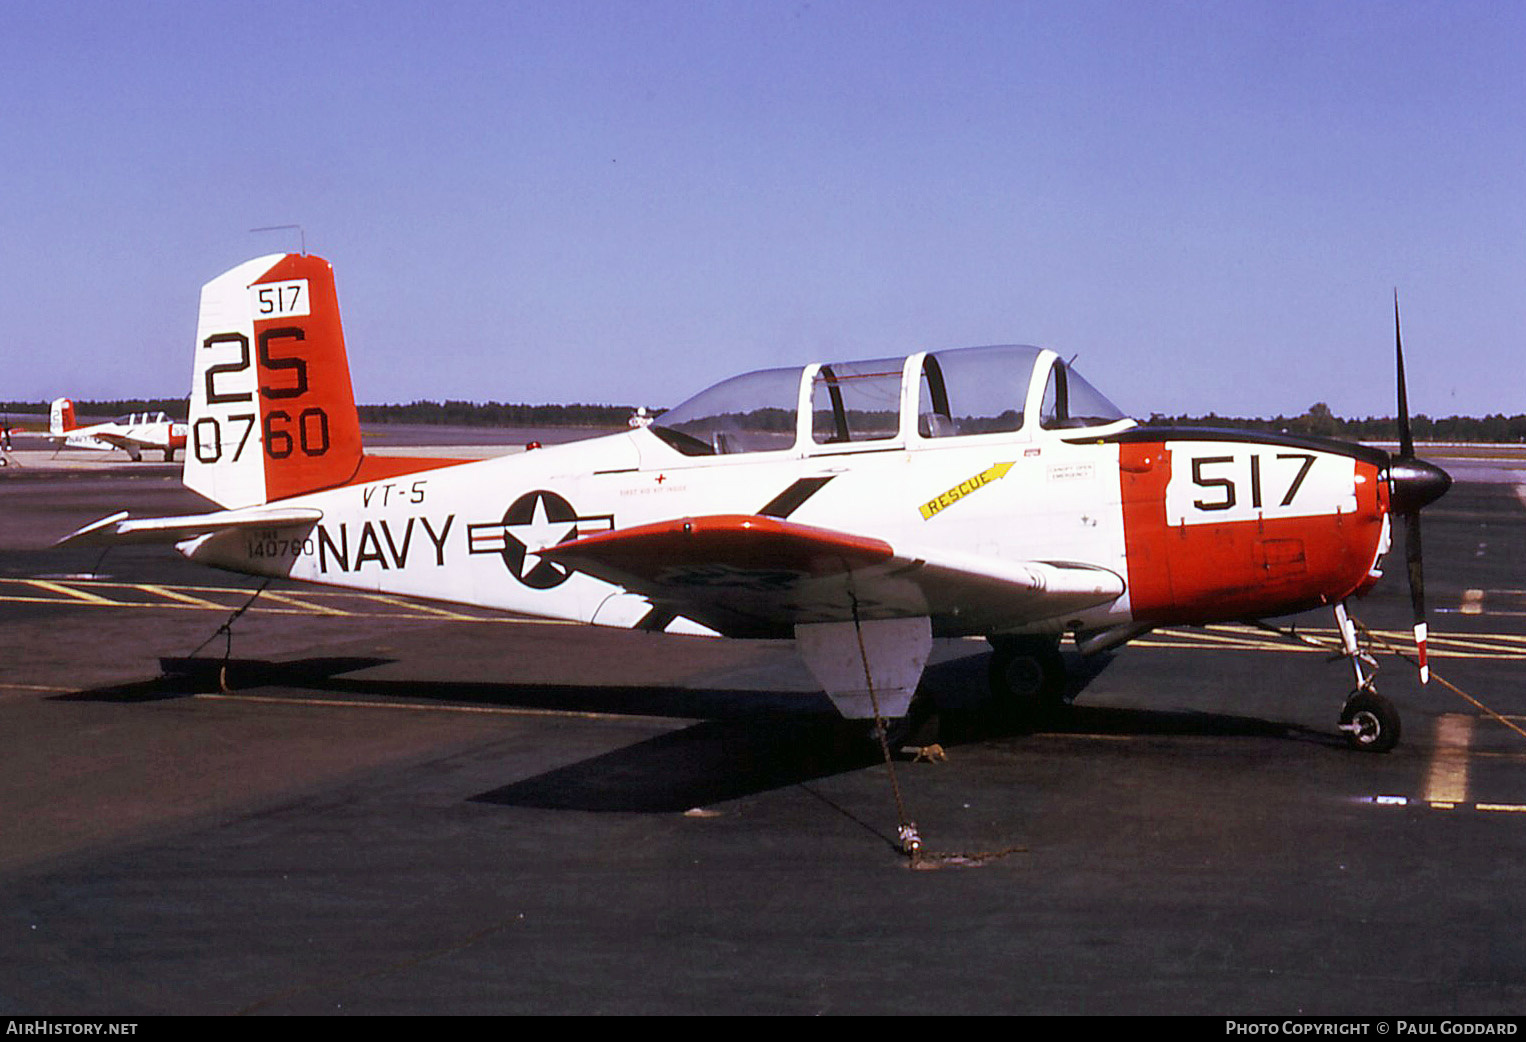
{"x": 859, "y": 508}
{"x": 132, "y": 433}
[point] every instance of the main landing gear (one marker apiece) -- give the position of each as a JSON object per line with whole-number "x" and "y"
{"x": 1369, "y": 721}
{"x": 1027, "y": 676}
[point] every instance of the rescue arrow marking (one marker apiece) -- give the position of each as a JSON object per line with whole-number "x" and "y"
{"x": 963, "y": 489}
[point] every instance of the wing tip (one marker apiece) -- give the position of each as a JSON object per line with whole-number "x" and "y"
{"x": 94, "y": 534}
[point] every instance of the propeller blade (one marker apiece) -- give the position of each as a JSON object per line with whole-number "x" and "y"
{"x": 1413, "y": 484}
{"x": 1406, "y": 440}
{"x": 1412, "y": 555}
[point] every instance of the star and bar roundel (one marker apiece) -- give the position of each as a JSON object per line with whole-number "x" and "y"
{"x": 534, "y": 522}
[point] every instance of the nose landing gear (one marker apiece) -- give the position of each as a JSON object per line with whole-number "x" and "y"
{"x": 1368, "y": 720}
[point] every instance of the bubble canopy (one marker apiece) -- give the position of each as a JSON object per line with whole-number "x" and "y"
{"x": 932, "y": 395}
{"x": 133, "y": 419}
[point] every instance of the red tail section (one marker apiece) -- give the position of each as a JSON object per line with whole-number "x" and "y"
{"x": 310, "y": 428}
{"x": 61, "y": 417}
{"x": 272, "y": 410}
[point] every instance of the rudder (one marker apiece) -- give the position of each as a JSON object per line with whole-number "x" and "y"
{"x": 272, "y": 408}
{"x": 61, "y": 417}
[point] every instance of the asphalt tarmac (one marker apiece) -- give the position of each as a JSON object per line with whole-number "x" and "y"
{"x": 406, "y": 808}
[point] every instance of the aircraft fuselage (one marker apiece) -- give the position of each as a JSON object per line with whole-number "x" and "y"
{"x": 1203, "y": 525}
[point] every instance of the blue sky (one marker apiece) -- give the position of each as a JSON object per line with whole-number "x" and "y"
{"x": 1210, "y": 203}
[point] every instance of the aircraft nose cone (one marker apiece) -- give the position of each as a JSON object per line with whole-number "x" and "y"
{"x": 1416, "y": 483}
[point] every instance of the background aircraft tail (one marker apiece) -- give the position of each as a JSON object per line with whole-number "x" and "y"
{"x": 61, "y": 417}
{"x": 272, "y": 409}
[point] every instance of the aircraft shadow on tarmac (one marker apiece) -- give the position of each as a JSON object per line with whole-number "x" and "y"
{"x": 749, "y": 753}
{"x": 719, "y": 760}
{"x": 744, "y": 742}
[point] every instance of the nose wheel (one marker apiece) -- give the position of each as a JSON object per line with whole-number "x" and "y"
{"x": 1370, "y": 722}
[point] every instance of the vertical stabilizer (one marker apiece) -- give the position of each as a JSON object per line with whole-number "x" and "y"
{"x": 61, "y": 417}
{"x": 272, "y": 410}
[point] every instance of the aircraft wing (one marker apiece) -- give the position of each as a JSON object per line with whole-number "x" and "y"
{"x": 121, "y": 441}
{"x": 119, "y": 529}
{"x": 75, "y": 440}
{"x": 750, "y": 576}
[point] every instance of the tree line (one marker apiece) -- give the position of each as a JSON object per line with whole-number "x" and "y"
{"x": 1317, "y": 420}
{"x": 450, "y": 413}
{"x": 498, "y": 414}
{"x": 175, "y": 408}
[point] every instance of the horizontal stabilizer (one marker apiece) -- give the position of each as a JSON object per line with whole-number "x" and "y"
{"x": 119, "y": 529}
{"x": 760, "y": 576}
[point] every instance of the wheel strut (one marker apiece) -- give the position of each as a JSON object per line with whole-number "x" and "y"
{"x": 1368, "y": 720}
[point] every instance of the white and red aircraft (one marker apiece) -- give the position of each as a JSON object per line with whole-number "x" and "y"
{"x": 132, "y": 433}
{"x": 861, "y": 508}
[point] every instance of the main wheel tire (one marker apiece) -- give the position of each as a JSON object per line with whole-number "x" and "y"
{"x": 1370, "y": 722}
{"x": 1027, "y": 677}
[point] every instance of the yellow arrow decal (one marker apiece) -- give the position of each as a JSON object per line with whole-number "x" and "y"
{"x": 963, "y": 489}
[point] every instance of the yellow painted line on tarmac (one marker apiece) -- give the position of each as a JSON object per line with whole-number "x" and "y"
{"x": 1404, "y": 801}
{"x": 1506, "y": 646}
{"x": 1488, "y": 643}
{"x": 70, "y": 592}
{"x": 321, "y": 601}
{"x": 15, "y": 599}
{"x": 343, "y": 703}
{"x": 178, "y": 595}
{"x": 1092, "y": 736}
{"x": 1487, "y": 755}
{"x": 1250, "y": 640}
{"x": 118, "y": 584}
{"x": 428, "y": 609}
{"x": 303, "y": 605}
{"x": 74, "y": 592}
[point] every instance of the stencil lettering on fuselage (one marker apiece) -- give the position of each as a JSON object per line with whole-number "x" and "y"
{"x": 1213, "y": 482}
{"x": 535, "y": 521}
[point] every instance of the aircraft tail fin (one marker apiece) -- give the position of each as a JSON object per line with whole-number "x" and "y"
{"x": 272, "y": 408}
{"x": 61, "y": 417}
